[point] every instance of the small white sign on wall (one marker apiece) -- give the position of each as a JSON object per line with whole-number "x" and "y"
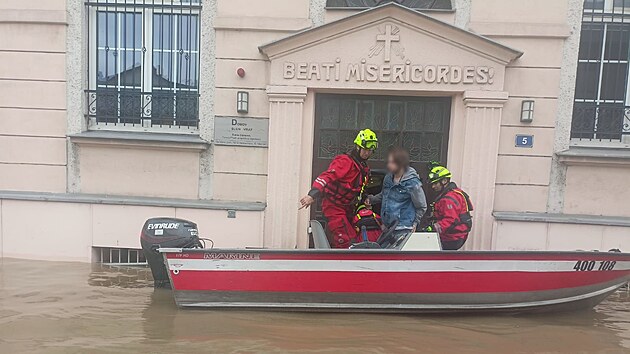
{"x": 241, "y": 131}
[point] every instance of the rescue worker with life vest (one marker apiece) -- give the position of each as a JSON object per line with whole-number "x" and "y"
{"x": 451, "y": 217}
{"x": 341, "y": 186}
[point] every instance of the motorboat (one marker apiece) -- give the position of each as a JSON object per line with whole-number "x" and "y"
{"x": 409, "y": 277}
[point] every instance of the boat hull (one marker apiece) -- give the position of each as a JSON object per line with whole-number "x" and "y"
{"x": 394, "y": 281}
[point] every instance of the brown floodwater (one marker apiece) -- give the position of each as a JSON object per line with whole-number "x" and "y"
{"x": 57, "y": 307}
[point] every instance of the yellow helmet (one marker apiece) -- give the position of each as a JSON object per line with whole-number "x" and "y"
{"x": 366, "y": 139}
{"x": 438, "y": 173}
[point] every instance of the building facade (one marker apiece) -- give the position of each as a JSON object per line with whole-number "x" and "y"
{"x": 222, "y": 111}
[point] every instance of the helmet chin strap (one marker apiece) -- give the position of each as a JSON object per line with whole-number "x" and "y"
{"x": 357, "y": 153}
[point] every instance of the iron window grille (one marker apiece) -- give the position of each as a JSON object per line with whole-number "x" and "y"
{"x": 143, "y": 63}
{"x": 119, "y": 256}
{"x": 412, "y": 4}
{"x": 601, "y": 109}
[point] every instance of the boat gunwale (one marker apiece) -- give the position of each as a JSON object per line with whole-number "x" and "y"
{"x": 385, "y": 252}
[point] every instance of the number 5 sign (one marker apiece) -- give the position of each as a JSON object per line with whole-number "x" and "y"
{"x": 525, "y": 141}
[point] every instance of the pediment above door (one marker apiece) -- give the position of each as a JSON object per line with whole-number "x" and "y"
{"x": 389, "y": 47}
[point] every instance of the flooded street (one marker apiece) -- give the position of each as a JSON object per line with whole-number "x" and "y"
{"x": 57, "y": 307}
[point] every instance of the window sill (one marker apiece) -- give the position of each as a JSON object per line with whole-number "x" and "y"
{"x": 600, "y": 156}
{"x": 130, "y": 200}
{"x": 562, "y": 218}
{"x": 158, "y": 141}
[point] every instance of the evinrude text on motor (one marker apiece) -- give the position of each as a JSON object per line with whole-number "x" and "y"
{"x": 166, "y": 232}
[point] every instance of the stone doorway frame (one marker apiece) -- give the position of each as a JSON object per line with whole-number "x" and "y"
{"x": 474, "y": 126}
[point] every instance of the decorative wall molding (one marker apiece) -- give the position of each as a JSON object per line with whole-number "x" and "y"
{"x": 479, "y": 169}
{"x": 485, "y": 99}
{"x": 286, "y": 115}
{"x": 286, "y": 93}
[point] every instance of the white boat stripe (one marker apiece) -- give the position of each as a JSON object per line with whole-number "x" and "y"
{"x": 381, "y": 266}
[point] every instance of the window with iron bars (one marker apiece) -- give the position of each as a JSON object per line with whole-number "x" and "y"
{"x": 143, "y": 67}
{"x": 601, "y": 110}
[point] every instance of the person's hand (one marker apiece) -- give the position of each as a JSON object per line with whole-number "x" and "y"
{"x": 306, "y": 202}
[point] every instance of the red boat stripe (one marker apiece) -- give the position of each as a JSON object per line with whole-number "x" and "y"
{"x": 391, "y": 282}
{"x": 389, "y": 266}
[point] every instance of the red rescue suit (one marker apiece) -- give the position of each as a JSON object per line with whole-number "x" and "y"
{"x": 452, "y": 214}
{"x": 341, "y": 186}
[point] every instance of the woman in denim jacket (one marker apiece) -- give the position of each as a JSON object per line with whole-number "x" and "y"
{"x": 402, "y": 198}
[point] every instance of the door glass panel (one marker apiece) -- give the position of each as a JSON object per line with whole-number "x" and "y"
{"x": 348, "y": 111}
{"x": 420, "y": 124}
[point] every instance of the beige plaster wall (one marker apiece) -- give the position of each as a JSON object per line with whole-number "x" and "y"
{"x": 598, "y": 190}
{"x": 268, "y": 8}
{"x": 523, "y": 174}
{"x": 106, "y": 226}
{"x": 240, "y": 173}
{"x": 32, "y": 96}
{"x": 531, "y": 11}
{"x": 139, "y": 172}
{"x": 43, "y": 231}
{"x": 534, "y": 236}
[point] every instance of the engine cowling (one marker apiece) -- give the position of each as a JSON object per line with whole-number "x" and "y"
{"x": 165, "y": 232}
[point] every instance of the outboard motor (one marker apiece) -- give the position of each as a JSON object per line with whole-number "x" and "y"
{"x": 166, "y": 233}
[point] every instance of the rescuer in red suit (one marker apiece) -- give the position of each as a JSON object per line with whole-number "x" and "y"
{"x": 341, "y": 187}
{"x": 451, "y": 217}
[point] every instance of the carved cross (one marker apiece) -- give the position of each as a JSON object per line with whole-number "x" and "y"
{"x": 388, "y": 38}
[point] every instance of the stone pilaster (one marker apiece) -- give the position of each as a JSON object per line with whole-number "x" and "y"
{"x": 286, "y": 109}
{"x": 479, "y": 169}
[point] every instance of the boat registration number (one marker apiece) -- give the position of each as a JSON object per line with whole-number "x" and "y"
{"x": 586, "y": 266}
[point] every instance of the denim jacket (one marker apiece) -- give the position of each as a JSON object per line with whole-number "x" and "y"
{"x": 404, "y": 201}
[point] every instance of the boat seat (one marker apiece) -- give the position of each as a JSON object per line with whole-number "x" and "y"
{"x": 319, "y": 235}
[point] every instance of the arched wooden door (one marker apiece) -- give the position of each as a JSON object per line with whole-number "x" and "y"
{"x": 418, "y": 123}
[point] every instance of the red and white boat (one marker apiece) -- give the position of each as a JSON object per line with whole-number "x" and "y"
{"x": 393, "y": 280}
{"x": 411, "y": 276}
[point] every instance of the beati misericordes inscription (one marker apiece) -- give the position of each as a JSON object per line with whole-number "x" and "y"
{"x": 388, "y": 43}
{"x": 407, "y": 72}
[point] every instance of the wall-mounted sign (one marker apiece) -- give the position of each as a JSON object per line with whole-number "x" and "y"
{"x": 524, "y": 141}
{"x": 241, "y": 131}
{"x": 377, "y": 66}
